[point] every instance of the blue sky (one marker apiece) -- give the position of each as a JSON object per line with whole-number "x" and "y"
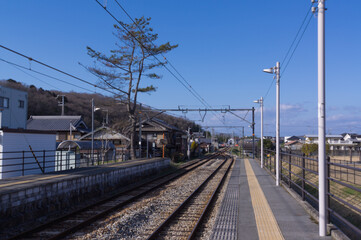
{"x": 223, "y": 47}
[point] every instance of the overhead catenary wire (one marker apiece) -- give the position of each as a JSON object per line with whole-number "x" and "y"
{"x": 185, "y": 83}
{"x": 21, "y": 70}
{"x": 292, "y": 46}
{"x": 294, "y": 50}
{"x": 20, "y": 67}
{"x": 56, "y": 69}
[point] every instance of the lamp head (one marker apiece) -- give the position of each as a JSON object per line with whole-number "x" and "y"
{"x": 268, "y": 70}
{"x": 96, "y": 109}
{"x": 256, "y": 101}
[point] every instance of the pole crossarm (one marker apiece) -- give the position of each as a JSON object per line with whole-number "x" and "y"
{"x": 223, "y": 126}
{"x": 186, "y": 110}
{"x": 198, "y": 109}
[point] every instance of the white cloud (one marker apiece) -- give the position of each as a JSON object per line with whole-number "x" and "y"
{"x": 292, "y": 108}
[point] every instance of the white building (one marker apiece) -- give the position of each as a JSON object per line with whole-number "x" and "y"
{"x": 13, "y": 108}
{"x": 26, "y": 152}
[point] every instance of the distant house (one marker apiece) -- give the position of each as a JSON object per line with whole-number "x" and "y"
{"x": 293, "y": 145}
{"x": 329, "y": 139}
{"x": 74, "y": 154}
{"x": 291, "y": 138}
{"x": 66, "y": 127}
{"x": 107, "y": 134}
{"x": 157, "y": 134}
{"x": 13, "y": 108}
{"x": 336, "y": 142}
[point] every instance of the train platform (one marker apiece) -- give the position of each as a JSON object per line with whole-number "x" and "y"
{"x": 255, "y": 208}
{"x": 23, "y": 198}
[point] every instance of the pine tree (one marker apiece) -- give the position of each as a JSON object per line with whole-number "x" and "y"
{"x": 123, "y": 69}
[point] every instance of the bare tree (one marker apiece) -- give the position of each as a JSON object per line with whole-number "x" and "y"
{"x": 135, "y": 57}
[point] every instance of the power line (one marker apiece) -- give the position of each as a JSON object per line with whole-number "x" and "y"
{"x": 19, "y": 69}
{"x": 294, "y": 50}
{"x": 292, "y": 44}
{"x": 56, "y": 69}
{"x": 169, "y": 62}
{"x": 299, "y": 30}
{"x": 43, "y": 74}
{"x": 190, "y": 89}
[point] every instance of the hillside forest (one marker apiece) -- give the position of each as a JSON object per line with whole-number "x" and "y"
{"x": 45, "y": 102}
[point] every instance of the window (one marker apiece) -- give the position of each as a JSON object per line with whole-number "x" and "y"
{"x": 4, "y": 102}
{"x": 21, "y": 104}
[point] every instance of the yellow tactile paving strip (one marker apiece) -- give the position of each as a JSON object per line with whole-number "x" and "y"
{"x": 267, "y": 225}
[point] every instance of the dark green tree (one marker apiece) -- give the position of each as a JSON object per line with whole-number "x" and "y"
{"x": 125, "y": 66}
{"x": 267, "y": 144}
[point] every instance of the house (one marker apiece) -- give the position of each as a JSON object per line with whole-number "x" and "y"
{"x": 13, "y": 108}
{"x": 105, "y": 133}
{"x": 293, "y": 145}
{"x": 291, "y": 138}
{"x": 74, "y": 154}
{"x": 159, "y": 136}
{"x": 309, "y": 139}
{"x": 66, "y": 127}
{"x": 336, "y": 142}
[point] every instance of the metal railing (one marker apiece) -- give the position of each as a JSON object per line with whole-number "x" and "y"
{"x": 21, "y": 163}
{"x": 300, "y": 173}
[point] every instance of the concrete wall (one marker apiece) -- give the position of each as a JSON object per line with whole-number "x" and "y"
{"x": 13, "y": 143}
{"x": 14, "y": 116}
{"x": 36, "y": 200}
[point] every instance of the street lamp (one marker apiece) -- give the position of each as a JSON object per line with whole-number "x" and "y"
{"x": 260, "y": 101}
{"x": 276, "y": 70}
{"x": 94, "y": 109}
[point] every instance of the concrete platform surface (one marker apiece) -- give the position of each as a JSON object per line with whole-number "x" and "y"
{"x": 23, "y": 199}
{"x": 255, "y": 208}
{"x": 16, "y": 183}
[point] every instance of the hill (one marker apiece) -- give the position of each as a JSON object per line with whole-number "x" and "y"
{"x": 45, "y": 102}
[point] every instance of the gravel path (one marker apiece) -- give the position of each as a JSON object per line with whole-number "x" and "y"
{"x": 138, "y": 218}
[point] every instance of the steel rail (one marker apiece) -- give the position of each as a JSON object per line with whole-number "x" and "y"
{"x": 157, "y": 231}
{"x": 177, "y": 173}
{"x": 211, "y": 199}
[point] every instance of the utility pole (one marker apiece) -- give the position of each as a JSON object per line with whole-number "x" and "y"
{"x": 243, "y": 141}
{"x": 253, "y": 146}
{"x": 260, "y": 101}
{"x": 140, "y": 131}
{"x": 62, "y": 103}
{"x": 92, "y": 150}
{"x": 188, "y": 143}
{"x": 322, "y": 174}
{"x": 277, "y": 71}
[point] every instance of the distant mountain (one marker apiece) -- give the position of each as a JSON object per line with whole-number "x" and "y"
{"x": 45, "y": 102}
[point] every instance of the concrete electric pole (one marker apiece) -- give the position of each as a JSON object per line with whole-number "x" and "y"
{"x": 322, "y": 173}
{"x": 276, "y": 70}
{"x": 61, "y": 103}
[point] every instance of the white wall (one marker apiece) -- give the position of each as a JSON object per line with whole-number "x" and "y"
{"x": 12, "y": 145}
{"x": 14, "y": 117}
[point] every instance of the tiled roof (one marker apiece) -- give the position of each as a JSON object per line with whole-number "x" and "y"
{"x": 55, "y": 123}
{"x": 105, "y": 133}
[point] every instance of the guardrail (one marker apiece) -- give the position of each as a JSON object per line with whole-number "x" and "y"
{"x": 300, "y": 173}
{"x": 21, "y": 163}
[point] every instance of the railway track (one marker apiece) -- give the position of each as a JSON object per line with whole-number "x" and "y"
{"x": 186, "y": 219}
{"x": 70, "y": 223}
